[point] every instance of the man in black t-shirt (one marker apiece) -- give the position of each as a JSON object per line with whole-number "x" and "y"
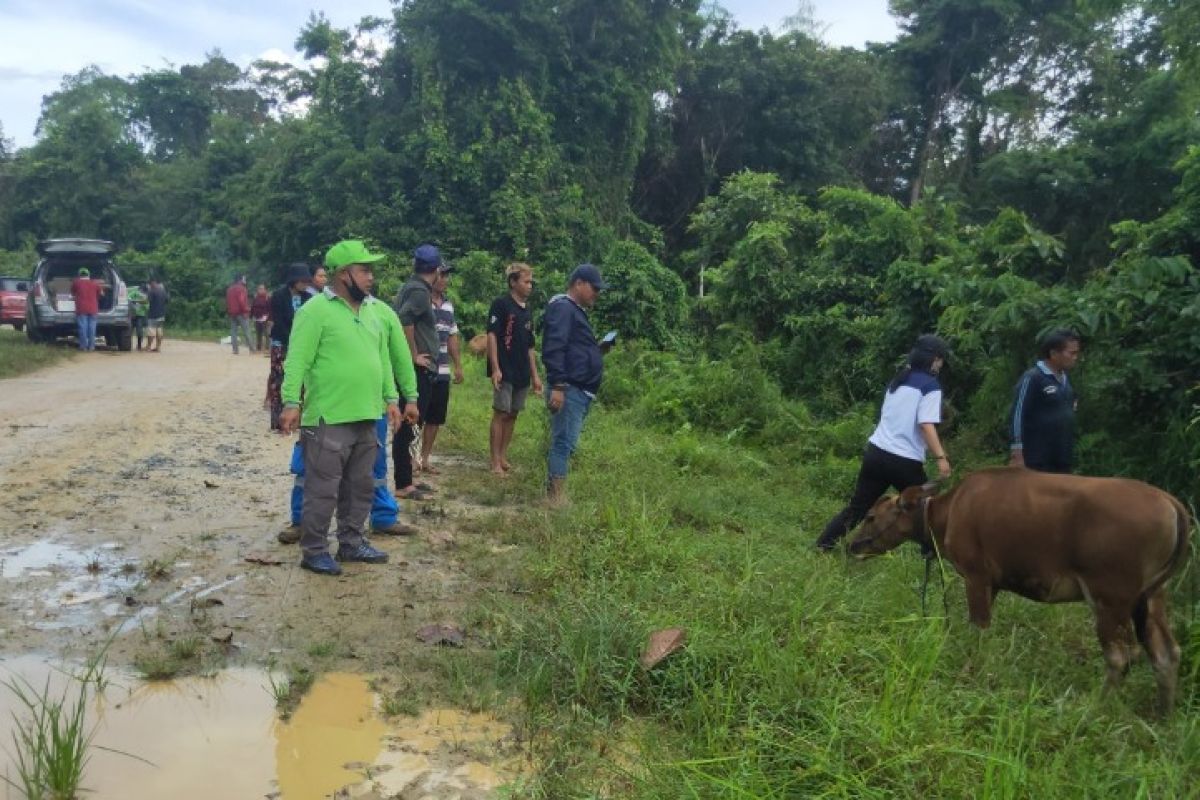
{"x": 512, "y": 360}
{"x": 1042, "y": 420}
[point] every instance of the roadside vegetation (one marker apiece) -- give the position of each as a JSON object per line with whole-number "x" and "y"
{"x": 804, "y": 674}
{"x": 779, "y": 218}
{"x": 19, "y": 356}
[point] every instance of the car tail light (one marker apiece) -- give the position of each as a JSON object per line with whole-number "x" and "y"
{"x": 37, "y": 290}
{"x": 122, "y": 293}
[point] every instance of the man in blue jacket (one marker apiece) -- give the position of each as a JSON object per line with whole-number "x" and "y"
{"x": 574, "y": 367}
{"x": 1042, "y": 419}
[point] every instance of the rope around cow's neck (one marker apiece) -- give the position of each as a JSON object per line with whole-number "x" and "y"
{"x": 927, "y": 529}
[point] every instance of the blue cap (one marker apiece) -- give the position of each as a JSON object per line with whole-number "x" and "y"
{"x": 589, "y": 273}
{"x": 426, "y": 258}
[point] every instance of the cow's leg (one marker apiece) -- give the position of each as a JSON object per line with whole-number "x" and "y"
{"x": 1154, "y": 632}
{"x": 979, "y": 600}
{"x": 1111, "y": 621}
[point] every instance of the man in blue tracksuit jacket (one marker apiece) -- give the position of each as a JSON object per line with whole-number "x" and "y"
{"x": 574, "y": 367}
{"x": 1041, "y": 423}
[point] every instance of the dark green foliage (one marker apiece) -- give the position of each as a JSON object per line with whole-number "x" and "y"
{"x": 717, "y": 176}
{"x": 647, "y": 301}
{"x": 477, "y": 280}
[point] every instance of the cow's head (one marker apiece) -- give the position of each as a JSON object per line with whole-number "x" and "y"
{"x": 892, "y": 521}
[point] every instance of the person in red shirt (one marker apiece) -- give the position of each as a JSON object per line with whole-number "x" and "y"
{"x": 237, "y": 306}
{"x": 260, "y": 309}
{"x": 87, "y": 305}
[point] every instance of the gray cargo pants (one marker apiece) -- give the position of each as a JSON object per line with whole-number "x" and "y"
{"x": 338, "y": 460}
{"x": 241, "y": 321}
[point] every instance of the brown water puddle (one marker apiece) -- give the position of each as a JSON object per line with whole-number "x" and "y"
{"x": 207, "y": 738}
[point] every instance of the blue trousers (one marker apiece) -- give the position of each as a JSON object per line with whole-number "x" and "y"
{"x": 384, "y": 508}
{"x": 565, "y": 426}
{"x": 87, "y": 331}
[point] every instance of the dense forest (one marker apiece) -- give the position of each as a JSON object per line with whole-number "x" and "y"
{"x": 779, "y": 217}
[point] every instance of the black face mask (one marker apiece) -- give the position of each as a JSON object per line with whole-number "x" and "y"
{"x": 356, "y": 294}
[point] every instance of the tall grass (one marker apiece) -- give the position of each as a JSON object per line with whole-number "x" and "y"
{"x": 50, "y": 744}
{"x": 18, "y": 355}
{"x": 805, "y": 675}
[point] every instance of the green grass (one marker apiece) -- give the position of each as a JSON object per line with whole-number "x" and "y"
{"x": 18, "y": 355}
{"x": 289, "y": 688}
{"x": 50, "y": 740}
{"x": 805, "y": 675}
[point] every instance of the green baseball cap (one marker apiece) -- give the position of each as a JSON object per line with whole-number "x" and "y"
{"x": 350, "y": 251}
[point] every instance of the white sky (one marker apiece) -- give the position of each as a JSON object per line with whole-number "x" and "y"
{"x": 43, "y": 40}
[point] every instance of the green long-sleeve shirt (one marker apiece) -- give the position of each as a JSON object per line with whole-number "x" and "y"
{"x": 341, "y": 359}
{"x": 138, "y": 301}
{"x": 397, "y": 347}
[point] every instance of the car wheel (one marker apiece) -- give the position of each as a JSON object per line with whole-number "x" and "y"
{"x": 125, "y": 340}
{"x": 34, "y": 335}
{"x": 18, "y": 326}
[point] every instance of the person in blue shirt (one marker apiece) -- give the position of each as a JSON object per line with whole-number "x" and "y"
{"x": 574, "y": 367}
{"x": 1041, "y": 423}
{"x": 907, "y": 430}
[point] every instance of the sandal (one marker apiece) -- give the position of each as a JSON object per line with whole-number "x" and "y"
{"x": 416, "y": 495}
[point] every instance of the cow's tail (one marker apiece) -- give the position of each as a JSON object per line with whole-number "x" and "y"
{"x": 1183, "y": 525}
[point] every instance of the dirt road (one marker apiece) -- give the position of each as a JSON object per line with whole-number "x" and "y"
{"x": 133, "y": 489}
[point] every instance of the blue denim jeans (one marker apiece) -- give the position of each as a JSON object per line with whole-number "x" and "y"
{"x": 384, "y": 508}
{"x": 565, "y": 426}
{"x": 87, "y": 331}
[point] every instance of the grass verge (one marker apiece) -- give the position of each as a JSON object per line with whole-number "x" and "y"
{"x": 19, "y": 356}
{"x": 805, "y": 675}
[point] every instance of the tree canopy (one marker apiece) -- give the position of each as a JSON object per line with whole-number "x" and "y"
{"x": 1001, "y": 167}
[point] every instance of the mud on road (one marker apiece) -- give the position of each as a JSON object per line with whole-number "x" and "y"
{"x": 135, "y": 486}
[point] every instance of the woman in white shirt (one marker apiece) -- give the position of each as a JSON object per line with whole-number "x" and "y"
{"x": 907, "y": 430}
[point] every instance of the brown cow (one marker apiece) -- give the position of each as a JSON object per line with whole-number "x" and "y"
{"x": 1113, "y": 542}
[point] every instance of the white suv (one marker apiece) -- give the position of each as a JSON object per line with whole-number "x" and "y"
{"x": 49, "y": 306}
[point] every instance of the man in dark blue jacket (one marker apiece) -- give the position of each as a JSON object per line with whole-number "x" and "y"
{"x": 1042, "y": 420}
{"x": 574, "y": 367}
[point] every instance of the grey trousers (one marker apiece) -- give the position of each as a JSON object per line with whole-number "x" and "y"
{"x": 338, "y": 460}
{"x": 242, "y": 321}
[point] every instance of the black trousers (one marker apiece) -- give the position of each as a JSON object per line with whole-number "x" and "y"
{"x": 407, "y": 434}
{"x": 880, "y": 470}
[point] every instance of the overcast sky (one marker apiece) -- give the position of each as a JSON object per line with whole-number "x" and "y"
{"x": 43, "y": 40}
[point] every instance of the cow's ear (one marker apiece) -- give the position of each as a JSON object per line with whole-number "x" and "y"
{"x": 910, "y": 497}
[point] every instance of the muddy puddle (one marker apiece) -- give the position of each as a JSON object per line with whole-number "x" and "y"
{"x": 220, "y": 737}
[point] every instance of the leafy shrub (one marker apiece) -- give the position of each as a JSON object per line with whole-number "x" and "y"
{"x": 646, "y": 300}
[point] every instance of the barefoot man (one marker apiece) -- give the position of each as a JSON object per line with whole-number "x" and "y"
{"x": 512, "y": 360}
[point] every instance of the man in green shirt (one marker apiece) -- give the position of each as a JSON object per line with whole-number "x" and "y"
{"x": 139, "y": 304}
{"x": 338, "y": 353}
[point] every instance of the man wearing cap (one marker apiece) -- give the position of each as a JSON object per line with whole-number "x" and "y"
{"x": 385, "y": 511}
{"x": 574, "y": 367}
{"x": 414, "y": 306}
{"x": 86, "y": 293}
{"x": 338, "y": 353}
